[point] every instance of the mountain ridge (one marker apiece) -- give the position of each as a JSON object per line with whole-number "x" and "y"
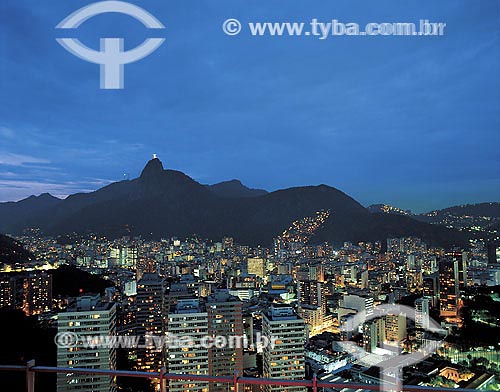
{"x": 164, "y": 202}
{"x": 235, "y": 188}
{"x": 483, "y": 216}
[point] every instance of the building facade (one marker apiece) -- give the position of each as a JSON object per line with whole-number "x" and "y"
{"x": 286, "y": 358}
{"x": 87, "y": 318}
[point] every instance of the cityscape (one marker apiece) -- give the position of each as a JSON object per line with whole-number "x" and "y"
{"x": 249, "y": 196}
{"x": 181, "y": 304}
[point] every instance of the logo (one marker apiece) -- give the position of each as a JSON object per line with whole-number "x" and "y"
{"x": 391, "y": 366}
{"x": 231, "y": 26}
{"x": 111, "y": 57}
{"x": 66, "y": 339}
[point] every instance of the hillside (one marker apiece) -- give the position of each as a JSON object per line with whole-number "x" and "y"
{"x": 12, "y": 252}
{"x": 163, "y": 203}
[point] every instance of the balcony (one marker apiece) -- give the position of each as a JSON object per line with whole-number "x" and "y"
{"x": 313, "y": 385}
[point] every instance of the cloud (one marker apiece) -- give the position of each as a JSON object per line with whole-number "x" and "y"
{"x": 8, "y": 174}
{"x": 7, "y": 158}
{"x": 19, "y": 189}
{"x": 7, "y": 133}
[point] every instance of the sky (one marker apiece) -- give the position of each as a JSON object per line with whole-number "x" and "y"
{"x": 408, "y": 121}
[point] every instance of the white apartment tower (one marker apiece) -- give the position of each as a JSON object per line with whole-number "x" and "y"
{"x": 286, "y": 360}
{"x": 87, "y": 317}
{"x": 187, "y": 318}
{"x": 422, "y": 313}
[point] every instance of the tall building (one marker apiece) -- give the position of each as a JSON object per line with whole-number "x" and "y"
{"x": 463, "y": 274}
{"x": 493, "y": 249}
{"x": 123, "y": 257}
{"x": 373, "y": 333}
{"x": 358, "y": 303}
{"x": 433, "y": 265}
{"x": 6, "y": 292}
{"x": 313, "y": 318}
{"x": 187, "y": 318}
{"x": 37, "y": 293}
{"x": 29, "y": 291}
{"x": 448, "y": 287}
{"x": 149, "y": 320}
{"x": 130, "y": 257}
{"x": 257, "y": 266}
{"x": 286, "y": 360}
{"x": 346, "y": 324}
{"x": 430, "y": 286}
{"x": 411, "y": 262}
{"x": 317, "y": 272}
{"x": 311, "y": 292}
{"x": 87, "y": 317}
{"x": 395, "y": 327}
{"x": 365, "y": 282}
{"x": 225, "y": 318}
{"x": 422, "y": 313}
{"x": 248, "y": 329}
{"x": 461, "y": 258}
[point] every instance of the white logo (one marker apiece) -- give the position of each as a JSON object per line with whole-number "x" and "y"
{"x": 391, "y": 368}
{"x": 111, "y": 56}
{"x": 231, "y": 26}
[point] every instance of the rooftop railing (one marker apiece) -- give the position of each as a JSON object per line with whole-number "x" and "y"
{"x": 162, "y": 376}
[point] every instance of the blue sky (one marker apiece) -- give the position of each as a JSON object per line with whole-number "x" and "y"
{"x": 410, "y": 121}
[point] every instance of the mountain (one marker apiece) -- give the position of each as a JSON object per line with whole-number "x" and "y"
{"x": 482, "y": 216}
{"x": 163, "y": 203}
{"x": 491, "y": 210}
{"x": 12, "y": 252}
{"x": 25, "y": 209}
{"x": 234, "y": 188}
{"x": 472, "y": 217}
{"x": 380, "y": 226}
{"x": 69, "y": 281}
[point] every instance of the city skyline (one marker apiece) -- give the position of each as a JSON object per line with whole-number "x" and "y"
{"x": 228, "y": 196}
{"x": 407, "y": 121}
{"x": 298, "y": 306}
